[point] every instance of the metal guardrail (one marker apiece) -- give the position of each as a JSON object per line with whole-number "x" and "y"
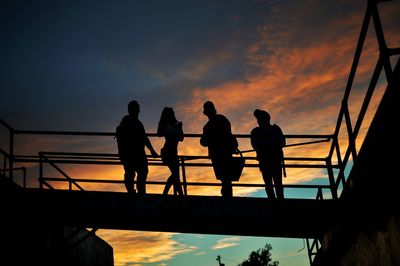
{"x": 382, "y": 64}
{"x": 54, "y": 159}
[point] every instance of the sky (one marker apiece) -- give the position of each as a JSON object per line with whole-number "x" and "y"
{"x": 75, "y": 65}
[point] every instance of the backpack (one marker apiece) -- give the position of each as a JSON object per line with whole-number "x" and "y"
{"x": 270, "y": 142}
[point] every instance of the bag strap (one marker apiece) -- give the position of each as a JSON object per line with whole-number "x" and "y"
{"x": 240, "y": 152}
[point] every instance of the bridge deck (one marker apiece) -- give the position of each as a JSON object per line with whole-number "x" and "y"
{"x": 293, "y": 218}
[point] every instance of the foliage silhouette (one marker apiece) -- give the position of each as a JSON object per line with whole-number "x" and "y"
{"x": 260, "y": 257}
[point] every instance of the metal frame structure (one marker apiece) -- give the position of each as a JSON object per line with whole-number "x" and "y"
{"x": 383, "y": 65}
{"x": 334, "y": 160}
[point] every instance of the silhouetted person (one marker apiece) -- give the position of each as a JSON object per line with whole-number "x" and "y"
{"x": 217, "y": 136}
{"x": 171, "y": 130}
{"x": 132, "y": 139}
{"x": 268, "y": 141}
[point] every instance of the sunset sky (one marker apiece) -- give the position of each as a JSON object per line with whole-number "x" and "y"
{"x": 75, "y": 65}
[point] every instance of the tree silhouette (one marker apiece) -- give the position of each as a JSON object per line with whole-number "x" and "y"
{"x": 261, "y": 257}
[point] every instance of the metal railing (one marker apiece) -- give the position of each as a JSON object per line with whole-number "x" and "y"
{"x": 382, "y": 64}
{"x": 55, "y": 159}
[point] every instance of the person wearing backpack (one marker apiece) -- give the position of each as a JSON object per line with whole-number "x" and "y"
{"x": 132, "y": 139}
{"x": 171, "y": 129}
{"x": 268, "y": 141}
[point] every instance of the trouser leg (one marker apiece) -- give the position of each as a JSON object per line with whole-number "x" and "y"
{"x": 129, "y": 183}
{"x": 141, "y": 180}
{"x": 278, "y": 183}
{"x": 226, "y": 189}
{"x": 268, "y": 185}
{"x": 175, "y": 179}
{"x": 129, "y": 178}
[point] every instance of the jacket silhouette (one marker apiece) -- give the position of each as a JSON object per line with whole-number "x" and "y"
{"x": 221, "y": 143}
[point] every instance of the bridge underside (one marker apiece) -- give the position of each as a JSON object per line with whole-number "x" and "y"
{"x": 292, "y": 218}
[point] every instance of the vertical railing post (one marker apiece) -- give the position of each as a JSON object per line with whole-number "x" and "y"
{"x": 320, "y": 196}
{"x": 5, "y": 165}
{"x": 11, "y": 152}
{"x": 309, "y": 250}
{"x": 184, "y": 176}
{"x": 40, "y": 170}
{"x": 331, "y": 177}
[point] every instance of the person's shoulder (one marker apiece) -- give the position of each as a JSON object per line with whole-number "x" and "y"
{"x": 277, "y": 129}
{"x": 222, "y": 118}
{"x": 125, "y": 119}
{"x": 255, "y": 130}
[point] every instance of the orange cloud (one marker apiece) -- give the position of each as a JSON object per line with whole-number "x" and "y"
{"x": 138, "y": 248}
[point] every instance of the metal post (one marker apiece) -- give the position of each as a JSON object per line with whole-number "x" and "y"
{"x": 11, "y": 159}
{"x": 309, "y": 251}
{"x": 40, "y": 170}
{"x": 331, "y": 177}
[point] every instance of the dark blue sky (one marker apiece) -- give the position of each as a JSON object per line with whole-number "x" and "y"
{"x": 64, "y": 58}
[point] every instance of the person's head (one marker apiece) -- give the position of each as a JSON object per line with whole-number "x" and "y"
{"x": 167, "y": 117}
{"x": 133, "y": 108}
{"x": 262, "y": 116}
{"x": 209, "y": 109}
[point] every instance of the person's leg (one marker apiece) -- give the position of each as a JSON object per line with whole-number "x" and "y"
{"x": 142, "y": 171}
{"x": 174, "y": 167}
{"x": 267, "y": 176}
{"x": 226, "y": 190}
{"x": 277, "y": 176}
{"x": 129, "y": 177}
{"x": 220, "y": 170}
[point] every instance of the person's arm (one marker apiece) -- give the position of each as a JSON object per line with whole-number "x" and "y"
{"x": 253, "y": 140}
{"x": 181, "y": 136}
{"x": 283, "y": 140}
{"x": 204, "y": 137}
{"x": 147, "y": 143}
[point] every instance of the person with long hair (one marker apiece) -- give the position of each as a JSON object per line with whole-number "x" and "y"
{"x": 171, "y": 129}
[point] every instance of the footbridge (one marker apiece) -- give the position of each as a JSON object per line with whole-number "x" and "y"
{"x": 42, "y": 186}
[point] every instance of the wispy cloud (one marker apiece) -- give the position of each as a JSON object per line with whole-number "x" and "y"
{"x": 227, "y": 242}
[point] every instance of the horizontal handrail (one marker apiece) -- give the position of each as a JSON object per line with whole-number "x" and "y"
{"x": 110, "y": 181}
{"x": 188, "y": 135}
{"x": 113, "y": 159}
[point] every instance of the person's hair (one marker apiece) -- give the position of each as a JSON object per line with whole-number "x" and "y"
{"x": 167, "y": 117}
{"x": 262, "y": 115}
{"x": 133, "y": 107}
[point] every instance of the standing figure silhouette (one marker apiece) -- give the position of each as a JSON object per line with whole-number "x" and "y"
{"x": 132, "y": 139}
{"x": 171, "y": 129}
{"x": 217, "y": 136}
{"x": 268, "y": 141}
